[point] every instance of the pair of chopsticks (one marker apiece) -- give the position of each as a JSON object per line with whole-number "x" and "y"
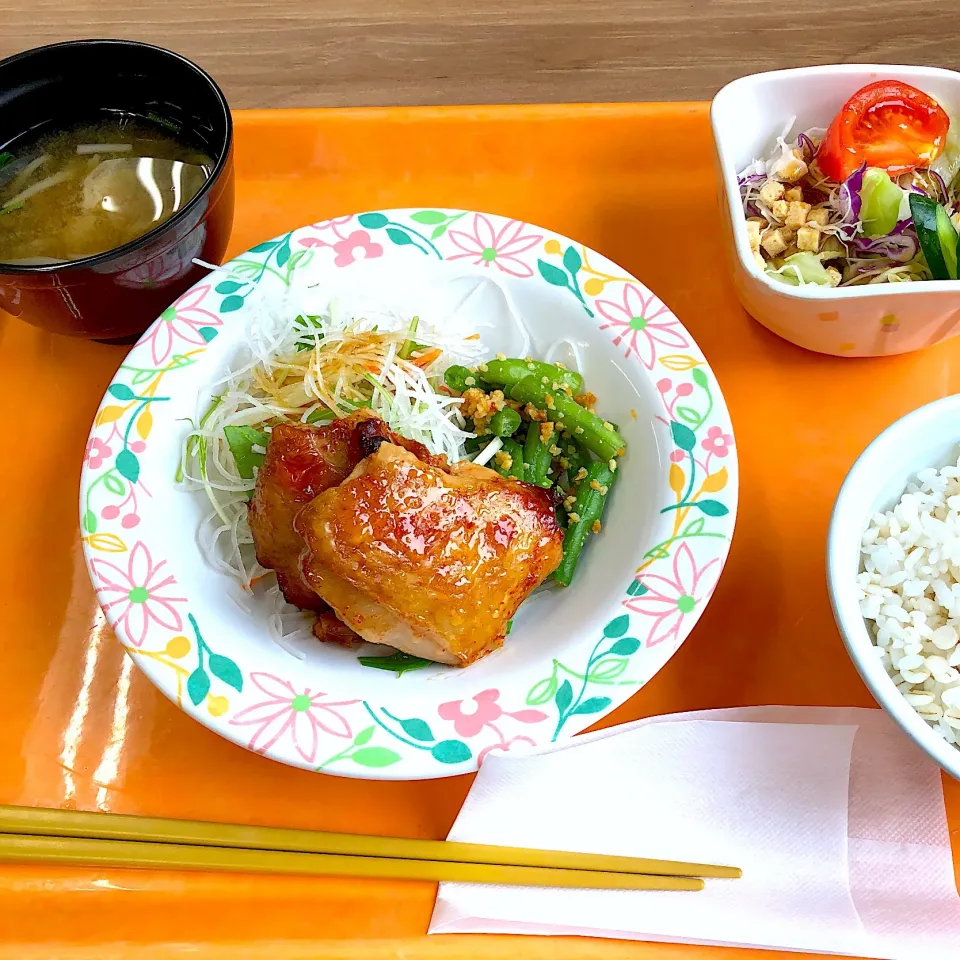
{"x": 38, "y": 835}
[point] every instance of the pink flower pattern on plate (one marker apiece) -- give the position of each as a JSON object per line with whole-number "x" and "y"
{"x": 293, "y": 714}
{"x": 358, "y": 240}
{"x": 670, "y": 601}
{"x": 642, "y": 321}
{"x": 97, "y": 452}
{"x": 501, "y": 247}
{"x": 717, "y": 442}
{"x": 183, "y": 320}
{"x": 471, "y": 716}
{"x": 283, "y": 719}
{"x": 139, "y": 596}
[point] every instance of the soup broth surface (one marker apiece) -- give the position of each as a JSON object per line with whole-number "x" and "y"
{"x": 79, "y": 192}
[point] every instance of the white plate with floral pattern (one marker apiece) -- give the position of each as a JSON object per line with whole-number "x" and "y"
{"x": 573, "y": 655}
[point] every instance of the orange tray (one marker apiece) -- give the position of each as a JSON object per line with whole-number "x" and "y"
{"x": 83, "y": 729}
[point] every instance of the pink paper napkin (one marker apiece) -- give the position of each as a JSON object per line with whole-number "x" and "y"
{"x": 835, "y": 817}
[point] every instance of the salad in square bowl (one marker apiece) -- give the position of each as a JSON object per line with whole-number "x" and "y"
{"x": 396, "y": 490}
{"x": 840, "y": 184}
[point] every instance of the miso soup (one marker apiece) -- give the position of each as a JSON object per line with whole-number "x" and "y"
{"x": 79, "y": 192}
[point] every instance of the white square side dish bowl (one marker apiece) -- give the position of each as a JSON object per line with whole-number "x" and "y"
{"x": 866, "y": 321}
{"x": 927, "y": 437}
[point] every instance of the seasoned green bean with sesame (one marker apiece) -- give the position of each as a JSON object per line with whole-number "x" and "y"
{"x": 587, "y": 509}
{"x": 510, "y": 371}
{"x": 590, "y": 430}
{"x": 459, "y": 378}
{"x": 504, "y": 423}
{"x": 536, "y": 454}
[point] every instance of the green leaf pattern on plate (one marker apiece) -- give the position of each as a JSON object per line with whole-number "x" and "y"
{"x": 321, "y": 731}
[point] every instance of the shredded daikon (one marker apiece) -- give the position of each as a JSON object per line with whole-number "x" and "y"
{"x": 84, "y": 149}
{"x": 486, "y": 454}
{"x": 301, "y": 363}
{"x": 308, "y": 360}
{"x": 45, "y": 184}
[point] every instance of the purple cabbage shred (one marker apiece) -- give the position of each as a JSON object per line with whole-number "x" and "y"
{"x": 898, "y": 247}
{"x": 807, "y": 146}
{"x": 850, "y": 195}
{"x": 940, "y": 183}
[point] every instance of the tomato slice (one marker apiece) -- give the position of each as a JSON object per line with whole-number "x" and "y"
{"x": 887, "y": 124}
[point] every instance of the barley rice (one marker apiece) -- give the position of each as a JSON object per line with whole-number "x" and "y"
{"x": 909, "y": 590}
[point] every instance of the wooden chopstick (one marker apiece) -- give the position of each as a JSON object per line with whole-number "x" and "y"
{"x": 38, "y": 821}
{"x": 171, "y": 856}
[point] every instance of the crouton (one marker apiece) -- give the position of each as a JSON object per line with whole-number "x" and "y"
{"x": 771, "y": 191}
{"x": 773, "y": 242}
{"x": 797, "y": 212}
{"x": 808, "y": 238}
{"x": 819, "y": 215}
{"x": 753, "y": 235}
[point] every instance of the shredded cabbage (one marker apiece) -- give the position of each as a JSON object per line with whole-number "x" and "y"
{"x": 880, "y": 200}
{"x": 868, "y": 236}
{"x": 800, "y": 270}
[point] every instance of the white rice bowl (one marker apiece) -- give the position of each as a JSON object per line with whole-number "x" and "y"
{"x": 909, "y": 593}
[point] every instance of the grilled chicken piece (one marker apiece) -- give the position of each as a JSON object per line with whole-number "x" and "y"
{"x": 329, "y": 628}
{"x": 301, "y": 462}
{"x": 432, "y": 562}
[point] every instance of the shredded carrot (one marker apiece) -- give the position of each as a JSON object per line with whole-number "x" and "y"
{"x": 426, "y": 359}
{"x": 473, "y": 336}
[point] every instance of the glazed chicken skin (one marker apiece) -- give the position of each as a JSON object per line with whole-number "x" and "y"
{"x": 301, "y": 462}
{"x": 430, "y": 561}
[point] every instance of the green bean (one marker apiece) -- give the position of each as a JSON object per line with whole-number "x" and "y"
{"x": 536, "y": 455}
{"x": 586, "y": 427}
{"x": 588, "y": 507}
{"x": 508, "y": 372}
{"x": 456, "y": 376}
{"x": 576, "y": 457}
{"x": 475, "y": 444}
{"x": 514, "y": 451}
{"x": 460, "y": 379}
{"x": 504, "y": 423}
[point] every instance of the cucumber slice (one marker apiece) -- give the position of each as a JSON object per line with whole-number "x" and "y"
{"x": 927, "y": 220}
{"x": 948, "y": 241}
